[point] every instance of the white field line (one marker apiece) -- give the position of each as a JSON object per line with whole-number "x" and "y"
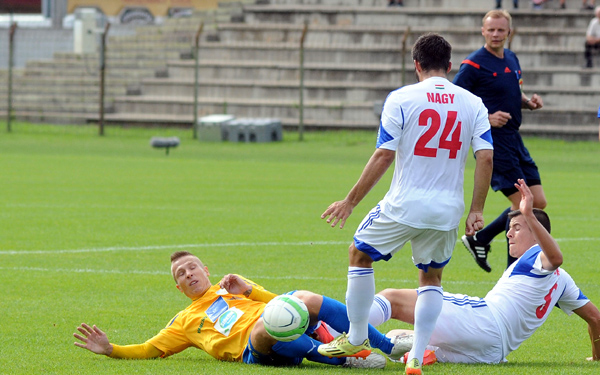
{"x": 171, "y": 247}
{"x": 252, "y": 277}
{"x": 232, "y": 244}
{"x": 204, "y": 245}
{"x": 342, "y": 277}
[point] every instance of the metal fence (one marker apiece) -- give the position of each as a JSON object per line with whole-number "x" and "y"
{"x": 173, "y": 73}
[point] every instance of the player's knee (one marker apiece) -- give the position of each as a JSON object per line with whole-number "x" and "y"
{"x": 388, "y": 293}
{"x": 540, "y": 202}
{"x": 358, "y": 258}
{"x": 260, "y": 339}
{"x": 306, "y": 296}
{"x": 312, "y": 301}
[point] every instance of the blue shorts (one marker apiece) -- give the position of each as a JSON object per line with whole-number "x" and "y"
{"x": 252, "y": 357}
{"x": 511, "y": 162}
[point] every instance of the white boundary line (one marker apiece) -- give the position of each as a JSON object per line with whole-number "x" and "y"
{"x": 172, "y": 247}
{"x": 204, "y": 245}
{"x": 585, "y": 286}
{"x": 252, "y": 277}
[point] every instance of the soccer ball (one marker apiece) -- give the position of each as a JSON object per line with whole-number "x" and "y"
{"x": 285, "y": 318}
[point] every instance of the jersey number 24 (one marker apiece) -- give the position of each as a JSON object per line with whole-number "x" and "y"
{"x": 433, "y": 119}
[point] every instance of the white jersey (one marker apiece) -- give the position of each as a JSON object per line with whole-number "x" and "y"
{"x": 593, "y": 28}
{"x": 430, "y": 125}
{"x": 525, "y": 294}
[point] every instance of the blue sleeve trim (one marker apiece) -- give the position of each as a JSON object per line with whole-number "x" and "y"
{"x": 383, "y": 136}
{"x": 581, "y": 296}
{"x": 487, "y": 136}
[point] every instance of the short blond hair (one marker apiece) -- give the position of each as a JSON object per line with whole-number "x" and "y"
{"x": 178, "y": 255}
{"x": 498, "y": 13}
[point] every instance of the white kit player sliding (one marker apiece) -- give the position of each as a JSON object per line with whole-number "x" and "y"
{"x": 486, "y": 330}
{"x": 427, "y": 128}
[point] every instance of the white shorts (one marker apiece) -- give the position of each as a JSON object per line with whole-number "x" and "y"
{"x": 381, "y": 237}
{"x": 466, "y": 332}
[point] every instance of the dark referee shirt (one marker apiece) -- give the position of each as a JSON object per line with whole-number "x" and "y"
{"x": 497, "y": 82}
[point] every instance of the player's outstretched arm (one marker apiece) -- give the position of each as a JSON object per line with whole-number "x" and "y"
{"x": 483, "y": 174}
{"x": 339, "y": 211}
{"x": 590, "y": 313}
{"x": 552, "y": 257}
{"x": 93, "y": 339}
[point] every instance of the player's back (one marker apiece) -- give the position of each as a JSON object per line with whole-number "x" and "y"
{"x": 431, "y": 126}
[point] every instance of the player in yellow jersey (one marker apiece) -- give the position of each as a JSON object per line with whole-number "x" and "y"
{"x": 224, "y": 320}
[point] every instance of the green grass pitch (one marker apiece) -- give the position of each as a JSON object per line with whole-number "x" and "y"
{"x": 87, "y": 224}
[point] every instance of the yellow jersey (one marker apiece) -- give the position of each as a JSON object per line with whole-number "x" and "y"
{"x": 218, "y": 323}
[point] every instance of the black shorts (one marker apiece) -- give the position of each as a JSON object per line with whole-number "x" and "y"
{"x": 511, "y": 162}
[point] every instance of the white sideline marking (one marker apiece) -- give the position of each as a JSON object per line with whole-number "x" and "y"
{"x": 586, "y": 286}
{"x": 252, "y": 277}
{"x": 172, "y": 247}
{"x": 231, "y": 244}
{"x": 84, "y": 270}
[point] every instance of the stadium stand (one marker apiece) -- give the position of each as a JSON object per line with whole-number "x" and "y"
{"x": 250, "y": 67}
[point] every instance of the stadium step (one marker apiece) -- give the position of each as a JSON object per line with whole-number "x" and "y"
{"x": 370, "y": 54}
{"x": 465, "y": 37}
{"x": 234, "y": 88}
{"x": 287, "y": 70}
{"x": 242, "y": 107}
{"x": 409, "y": 16}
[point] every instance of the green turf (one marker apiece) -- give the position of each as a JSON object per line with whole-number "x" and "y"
{"x": 87, "y": 224}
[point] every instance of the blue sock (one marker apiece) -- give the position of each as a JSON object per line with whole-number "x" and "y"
{"x": 487, "y": 234}
{"x": 334, "y": 314}
{"x": 305, "y": 347}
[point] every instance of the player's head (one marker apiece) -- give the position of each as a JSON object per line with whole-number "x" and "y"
{"x": 190, "y": 274}
{"x": 497, "y": 14}
{"x": 496, "y": 26}
{"x": 432, "y": 52}
{"x": 597, "y": 11}
{"x": 520, "y": 236}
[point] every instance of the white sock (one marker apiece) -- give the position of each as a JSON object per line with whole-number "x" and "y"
{"x": 381, "y": 311}
{"x": 427, "y": 309}
{"x": 359, "y": 298}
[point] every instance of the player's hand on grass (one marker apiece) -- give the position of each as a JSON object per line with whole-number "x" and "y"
{"x": 338, "y": 212}
{"x": 499, "y": 118}
{"x": 93, "y": 339}
{"x": 474, "y": 223}
{"x": 234, "y": 284}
